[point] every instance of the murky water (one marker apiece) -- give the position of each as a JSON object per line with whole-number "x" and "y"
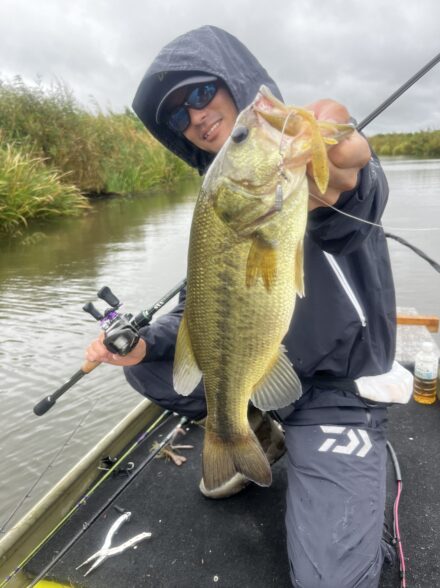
{"x": 137, "y": 246}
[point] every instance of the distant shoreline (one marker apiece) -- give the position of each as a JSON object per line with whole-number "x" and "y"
{"x": 419, "y": 144}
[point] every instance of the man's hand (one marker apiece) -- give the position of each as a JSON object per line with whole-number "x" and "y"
{"x": 97, "y": 351}
{"x": 345, "y": 159}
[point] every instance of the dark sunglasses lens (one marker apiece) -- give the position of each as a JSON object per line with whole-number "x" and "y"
{"x": 178, "y": 120}
{"x": 201, "y": 96}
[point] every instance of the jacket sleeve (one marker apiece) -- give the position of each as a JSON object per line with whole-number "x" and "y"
{"x": 161, "y": 335}
{"x": 340, "y": 234}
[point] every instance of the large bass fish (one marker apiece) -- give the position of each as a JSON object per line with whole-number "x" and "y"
{"x": 245, "y": 268}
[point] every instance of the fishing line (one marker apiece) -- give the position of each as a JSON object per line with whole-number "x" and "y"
{"x": 366, "y": 121}
{"x": 284, "y": 129}
{"x": 416, "y": 250}
{"x": 362, "y": 220}
{"x": 28, "y": 492}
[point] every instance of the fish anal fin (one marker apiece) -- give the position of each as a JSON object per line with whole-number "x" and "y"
{"x": 243, "y": 454}
{"x": 279, "y": 387}
{"x": 261, "y": 262}
{"x": 186, "y": 372}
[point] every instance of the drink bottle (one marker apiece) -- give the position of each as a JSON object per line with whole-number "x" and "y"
{"x": 426, "y": 374}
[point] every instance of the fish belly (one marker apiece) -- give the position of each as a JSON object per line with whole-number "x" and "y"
{"x": 235, "y": 334}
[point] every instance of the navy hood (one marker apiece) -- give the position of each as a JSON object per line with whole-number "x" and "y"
{"x": 207, "y": 50}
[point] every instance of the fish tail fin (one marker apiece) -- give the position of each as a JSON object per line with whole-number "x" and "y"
{"x": 222, "y": 459}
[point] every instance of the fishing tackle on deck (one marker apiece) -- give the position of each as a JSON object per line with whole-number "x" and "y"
{"x": 107, "y": 550}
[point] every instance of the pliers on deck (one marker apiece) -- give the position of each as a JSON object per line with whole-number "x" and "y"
{"x": 106, "y": 549}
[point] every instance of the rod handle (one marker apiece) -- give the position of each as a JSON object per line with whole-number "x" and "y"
{"x": 89, "y": 366}
{"x": 44, "y": 405}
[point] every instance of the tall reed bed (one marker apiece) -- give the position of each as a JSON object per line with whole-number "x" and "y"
{"x": 49, "y": 142}
{"x": 29, "y": 190}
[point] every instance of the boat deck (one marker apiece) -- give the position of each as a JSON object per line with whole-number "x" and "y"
{"x": 238, "y": 542}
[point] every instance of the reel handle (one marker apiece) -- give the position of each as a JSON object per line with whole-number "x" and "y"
{"x": 107, "y": 295}
{"x": 91, "y": 309}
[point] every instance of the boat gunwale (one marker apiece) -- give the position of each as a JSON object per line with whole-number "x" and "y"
{"x": 37, "y": 524}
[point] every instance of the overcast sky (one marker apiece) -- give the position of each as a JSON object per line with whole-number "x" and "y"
{"x": 355, "y": 51}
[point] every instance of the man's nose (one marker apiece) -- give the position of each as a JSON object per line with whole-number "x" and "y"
{"x": 197, "y": 116}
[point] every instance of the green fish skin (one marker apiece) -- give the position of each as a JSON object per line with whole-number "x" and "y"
{"x": 245, "y": 268}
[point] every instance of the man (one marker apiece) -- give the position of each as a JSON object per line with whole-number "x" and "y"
{"x": 342, "y": 331}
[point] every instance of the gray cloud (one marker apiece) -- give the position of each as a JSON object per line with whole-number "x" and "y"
{"x": 354, "y": 51}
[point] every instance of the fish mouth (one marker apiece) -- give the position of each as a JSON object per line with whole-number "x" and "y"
{"x": 250, "y": 188}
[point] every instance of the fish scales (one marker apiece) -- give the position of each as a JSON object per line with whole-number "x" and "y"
{"x": 244, "y": 272}
{"x": 234, "y": 350}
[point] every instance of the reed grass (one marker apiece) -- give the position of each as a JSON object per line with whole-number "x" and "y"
{"x": 30, "y": 190}
{"x": 94, "y": 152}
{"x": 101, "y": 152}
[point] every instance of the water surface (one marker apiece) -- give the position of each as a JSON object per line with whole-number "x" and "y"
{"x": 136, "y": 245}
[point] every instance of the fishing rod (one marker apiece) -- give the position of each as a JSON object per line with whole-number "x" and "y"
{"x": 148, "y": 459}
{"x": 163, "y": 419}
{"x": 403, "y": 88}
{"x": 122, "y": 332}
{"x": 121, "y": 335}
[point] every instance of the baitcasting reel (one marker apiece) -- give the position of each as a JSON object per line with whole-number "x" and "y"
{"x": 121, "y": 332}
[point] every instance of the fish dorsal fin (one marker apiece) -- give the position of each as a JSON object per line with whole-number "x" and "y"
{"x": 186, "y": 372}
{"x": 279, "y": 387}
{"x": 261, "y": 262}
{"x": 299, "y": 269}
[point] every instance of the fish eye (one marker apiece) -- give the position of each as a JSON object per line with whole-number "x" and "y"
{"x": 240, "y": 134}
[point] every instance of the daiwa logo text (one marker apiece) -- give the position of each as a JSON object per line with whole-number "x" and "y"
{"x": 356, "y": 441}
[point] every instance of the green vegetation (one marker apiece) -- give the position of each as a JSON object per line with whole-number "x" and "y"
{"x": 52, "y": 150}
{"x": 29, "y": 189}
{"x": 420, "y": 144}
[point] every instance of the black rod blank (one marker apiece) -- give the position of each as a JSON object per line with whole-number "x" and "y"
{"x": 398, "y": 92}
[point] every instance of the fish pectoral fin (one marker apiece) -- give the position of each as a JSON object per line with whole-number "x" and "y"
{"x": 261, "y": 262}
{"x": 223, "y": 459}
{"x": 299, "y": 269}
{"x": 186, "y": 372}
{"x": 279, "y": 387}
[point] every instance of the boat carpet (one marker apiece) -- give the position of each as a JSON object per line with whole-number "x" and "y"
{"x": 238, "y": 542}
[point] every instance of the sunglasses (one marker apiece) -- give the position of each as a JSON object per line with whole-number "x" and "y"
{"x": 178, "y": 119}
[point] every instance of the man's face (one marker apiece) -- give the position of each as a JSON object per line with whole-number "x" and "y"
{"x": 211, "y": 126}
